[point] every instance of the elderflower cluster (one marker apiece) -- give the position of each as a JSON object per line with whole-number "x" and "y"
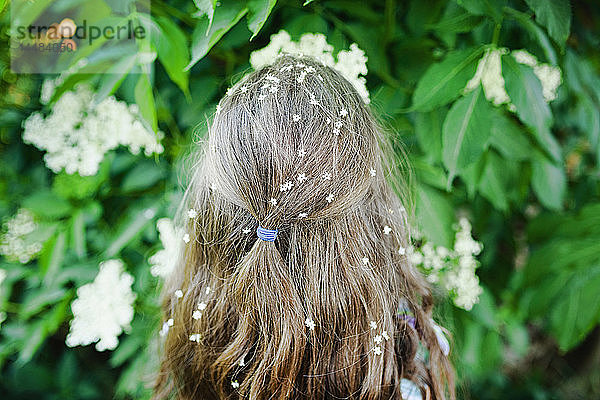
{"x": 489, "y": 75}
{"x": 350, "y": 63}
{"x": 549, "y": 76}
{"x": 453, "y": 269}
{"x": 164, "y": 260}
{"x": 103, "y": 308}
{"x": 15, "y": 243}
{"x": 78, "y": 132}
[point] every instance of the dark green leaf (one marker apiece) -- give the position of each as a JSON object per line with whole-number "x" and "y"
{"x": 555, "y": 15}
{"x": 436, "y": 216}
{"x": 47, "y": 204}
{"x": 172, "y": 48}
{"x": 549, "y": 182}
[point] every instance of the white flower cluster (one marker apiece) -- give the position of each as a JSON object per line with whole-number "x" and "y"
{"x": 15, "y": 244}
{"x": 454, "y": 269}
{"x": 164, "y": 260}
{"x": 549, "y": 76}
{"x": 103, "y": 308}
{"x": 77, "y": 133}
{"x": 489, "y": 74}
{"x": 350, "y": 63}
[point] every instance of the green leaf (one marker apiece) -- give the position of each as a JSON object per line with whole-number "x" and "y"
{"x": 555, "y": 15}
{"x": 46, "y": 204}
{"x": 492, "y": 8}
{"x": 549, "y": 182}
{"x": 143, "y": 176}
{"x": 114, "y": 76}
{"x": 444, "y": 81}
{"x": 493, "y": 185}
{"x": 206, "y": 7}
{"x": 466, "y": 131}
{"x": 132, "y": 225}
{"x": 577, "y": 309}
{"x": 435, "y": 216}
{"x": 173, "y": 53}
{"x": 52, "y": 257}
{"x": 78, "y": 234}
{"x": 428, "y": 129}
{"x": 145, "y": 100}
{"x": 203, "y": 39}
{"x": 509, "y": 138}
{"x": 525, "y": 91}
{"x": 258, "y": 12}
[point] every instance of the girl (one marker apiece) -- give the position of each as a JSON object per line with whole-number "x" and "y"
{"x": 294, "y": 283}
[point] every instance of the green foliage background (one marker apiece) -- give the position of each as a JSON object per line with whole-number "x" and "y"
{"x": 529, "y": 181}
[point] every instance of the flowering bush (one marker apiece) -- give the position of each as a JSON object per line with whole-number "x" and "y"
{"x": 496, "y": 104}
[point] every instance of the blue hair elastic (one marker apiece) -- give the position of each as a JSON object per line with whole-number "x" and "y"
{"x": 268, "y": 235}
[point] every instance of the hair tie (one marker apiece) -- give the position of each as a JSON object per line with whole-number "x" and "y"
{"x": 268, "y": 235}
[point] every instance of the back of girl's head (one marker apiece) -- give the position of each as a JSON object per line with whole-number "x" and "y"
{"x": 331, "y": 308}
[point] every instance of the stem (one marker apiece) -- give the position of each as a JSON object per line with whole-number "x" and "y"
{"x": 496, "y": 35}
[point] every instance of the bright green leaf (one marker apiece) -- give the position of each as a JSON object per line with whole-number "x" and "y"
{"x": 171, "y": 45}
{"x": 444, "y": 81}
{"x": 466, "y": 131}
{"x": 493, "y": 185}
{"x": 224, "y": 19}
{"x": 525, "y": 91}
{"x": 508, "y": 137}
{"x": 258, "y": 12}
{"x": 144, "y": 98}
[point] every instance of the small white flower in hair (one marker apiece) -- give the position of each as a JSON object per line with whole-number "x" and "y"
{"x": 336, "y": 131}
{"x": 386, "y": 230}
{"x": 310, "y": 324}
{"x": 207, "y": 290}
{"x": 344, "y": 112}
{"x": 196, "y": 314}
{"x": 377, "y": 350}
{"x": 170, "y": 322}
{"x": 286, "y": 186}
{"x": 301, "y": 153}
{"x": 326, "y": 176}
{"x": 244, "y": 89}
{"x": 338, "y": 124}
{"x": 296, "y": 117}
{"x": 235, "y": 384}
{"x": 402, "y": 251}
{"x": 385, "y": 335}
{"x": 373, "y": 325}
{"x": 301, "y": 177}
{"x": 202, "y": 305}
{"x": 328, "y": 120}
{"x": 378, "y": 339}
{"x": 262, "y": 96}
{"x": 273, "y": 201}
{"x": 313, "y": 100}
{"x": 247, "y": 230}
{"x": 372, "y": 172}
{"x": 329, "y": 198}
{"x": 186, "y": 238}
{"x": 192, "y": 213}
{"x": 242, "y": 363}
{"x": 365, "y": 260}
{"x": 302, "y": 215}
{"x": 195, "y": 337}
{"x": 179, "y": 293}
{"x": 300, "y": 78}
{"x": 320, "y": 77}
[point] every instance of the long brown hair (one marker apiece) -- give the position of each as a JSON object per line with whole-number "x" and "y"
{"x": 315, "y": 313}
